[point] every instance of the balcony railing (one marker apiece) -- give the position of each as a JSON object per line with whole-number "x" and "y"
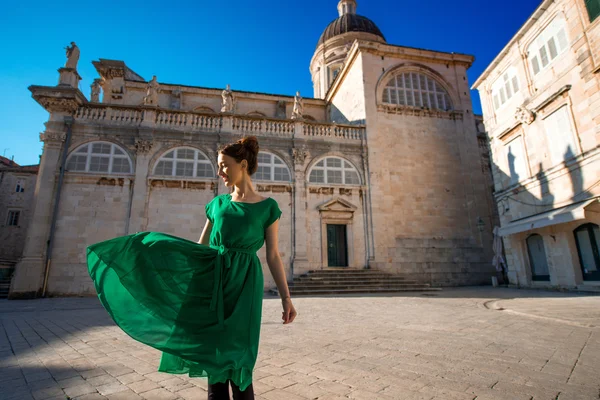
{"x": 199, "y": 122}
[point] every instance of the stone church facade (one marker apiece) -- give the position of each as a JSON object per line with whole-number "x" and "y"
{"x": 383, "y": 168}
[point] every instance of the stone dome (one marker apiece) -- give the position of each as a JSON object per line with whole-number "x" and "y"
{"x": 350, "y": 23}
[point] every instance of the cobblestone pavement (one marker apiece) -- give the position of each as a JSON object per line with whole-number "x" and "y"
{"x": 468, "y": 343}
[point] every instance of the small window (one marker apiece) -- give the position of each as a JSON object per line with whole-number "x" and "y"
{"x": 334, "y": 170}
{"x": 13, "y": 218}
{"x": 20, "y": 186}
{"x": 505, "y": 87}
{"x": 593, "y": 8}
{"x": 334, "y": 71}
{"x": 548, "y": 45}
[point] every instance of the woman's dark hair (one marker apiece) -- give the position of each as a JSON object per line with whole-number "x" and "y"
{"x": 244, "y": 149}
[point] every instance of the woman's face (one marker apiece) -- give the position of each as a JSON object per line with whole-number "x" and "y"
{"x": 229, "y": 170}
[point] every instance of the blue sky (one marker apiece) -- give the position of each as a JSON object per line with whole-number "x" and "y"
{"x": 260, "y": 45}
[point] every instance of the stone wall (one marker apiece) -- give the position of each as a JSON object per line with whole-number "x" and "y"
{"x": 427, "y": 185}
{"x": 348, "y": 101}
{"x": 12, "y": 238}
{"x": 92, "y": 209}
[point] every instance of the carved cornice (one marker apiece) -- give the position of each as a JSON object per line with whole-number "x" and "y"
{"x": 181, "y": 184}
{"x": 58, "y": 98}
{"x": 274, "y": 188}
{"x": 115, "y": 73}
{"x": 52, "y": 104}
{"x": 419, "y": 112}
{"x": 52, "y": 137}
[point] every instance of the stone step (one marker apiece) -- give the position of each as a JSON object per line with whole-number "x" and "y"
{"x": 336, "y": 286}
{"x": 349, "y": 275}
{"x": 332, "y": 281}
{"x": 315, "y": 279}
{"x": 312, "y": 292}
{"x": 332, "y": 270}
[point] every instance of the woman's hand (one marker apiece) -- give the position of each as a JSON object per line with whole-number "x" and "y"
{"x": 289, "y": 312}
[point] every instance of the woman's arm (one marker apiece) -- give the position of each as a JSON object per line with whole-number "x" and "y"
{"x": 278, "y": 272}
{"x": 205, "y": 236}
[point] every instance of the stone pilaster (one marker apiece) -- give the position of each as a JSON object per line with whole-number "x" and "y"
{"x": 29, "y": 272}
{"x": 300, "y": 261}
{"x": 138, "y": 221}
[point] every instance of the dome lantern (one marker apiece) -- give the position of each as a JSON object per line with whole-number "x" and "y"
{"x": 346, "y": 7}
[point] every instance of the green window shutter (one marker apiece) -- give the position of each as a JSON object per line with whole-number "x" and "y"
{"x": 593, "y": 7}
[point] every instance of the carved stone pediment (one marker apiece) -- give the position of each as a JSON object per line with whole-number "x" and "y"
{"x": 338, "y": 205}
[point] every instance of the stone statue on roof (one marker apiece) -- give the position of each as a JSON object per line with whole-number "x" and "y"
{"x": 72, "y": 56}
{"x": 298, "y": 109}
{"x": 228, "y": 100}
{"x": 151, "y": 98}
{"x": 96, "y": 89}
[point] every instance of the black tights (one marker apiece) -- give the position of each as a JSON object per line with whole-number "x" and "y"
{"x": 220, "y": 391}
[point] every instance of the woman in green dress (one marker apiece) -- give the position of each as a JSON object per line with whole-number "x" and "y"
{"x": 200, "y": 303}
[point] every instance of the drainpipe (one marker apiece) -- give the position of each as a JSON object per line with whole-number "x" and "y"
{"x": 50, "y": 244}
{"x": 294, "y": 205}
{"x": 370, "y": 238}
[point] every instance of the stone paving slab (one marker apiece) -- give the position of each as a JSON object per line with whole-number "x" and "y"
{"x": 469, "y": 343}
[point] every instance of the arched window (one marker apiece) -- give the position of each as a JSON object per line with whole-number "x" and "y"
{"x": 271, "y": 168}
{"x": 333, "y": 71}
{"x": 100, "y": 157}
{"x": 548, "y": 45}
{"x": 256, "y": 114}
{"x": 416, "y": 90}
{"x": 505, "y": 87}
{"x": 587, "y": 238}
{"x": 537, "y": 258}
{"x": 184, "y": 162}
{"x": 334, "y": 170}
{"x": 204, "y": 109}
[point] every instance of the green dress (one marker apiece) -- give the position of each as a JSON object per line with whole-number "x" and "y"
{"x": 200, "y": 305}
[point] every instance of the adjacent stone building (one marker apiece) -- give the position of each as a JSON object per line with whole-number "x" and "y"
{"x": 17, "y": 190}
{"x": 541, "y": 107}
{"x": 381, "y": 169}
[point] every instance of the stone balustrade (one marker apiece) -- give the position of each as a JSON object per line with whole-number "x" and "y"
{"x": 349, "y": 132}
{"x": 199, "y": 122}
{"x": 111, "y": 115}
{"x": 263, "y": 127}
{"x": 188, "y": 121}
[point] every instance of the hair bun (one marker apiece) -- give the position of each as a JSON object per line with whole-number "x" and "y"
{"x": 250, "y": 143}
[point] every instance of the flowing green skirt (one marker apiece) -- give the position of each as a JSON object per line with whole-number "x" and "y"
{"x": 200, "y": 305}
